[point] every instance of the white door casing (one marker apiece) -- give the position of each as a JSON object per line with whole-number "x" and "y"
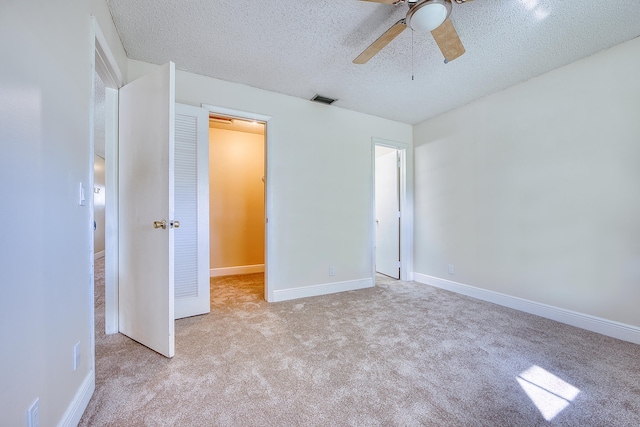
{"x": 146, "y": 181}
{"x": 387, "y": 214}
{"x": 111, "y": 212}
{"x": 107, "y": 68}
{"x": 268, "y": 189}
{"x": 191, "y": 239}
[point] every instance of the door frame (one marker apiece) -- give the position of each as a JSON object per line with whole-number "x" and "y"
{"x": 405, "y": 152}
{"x": 106, "y": 66}
{"x": 389, "y": 173}
{"x": 268, "y": 202}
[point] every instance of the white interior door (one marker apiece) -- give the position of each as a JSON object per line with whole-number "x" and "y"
{"x": 146, "y": 186}
{"x": 191, "y": 239}
{"x": 387, "y": 207}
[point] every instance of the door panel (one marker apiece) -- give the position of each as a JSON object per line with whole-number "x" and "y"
{"x": 192, "y": 210}
{"x": 387, "y": 215}
{"x": 146, "y": 150}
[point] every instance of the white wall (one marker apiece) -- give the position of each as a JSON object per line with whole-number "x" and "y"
{"x": 98, "y": 204}
{"x": 533, "y": 191}
{"x": 45, "y": 245}
{"x": 320, "y": 170}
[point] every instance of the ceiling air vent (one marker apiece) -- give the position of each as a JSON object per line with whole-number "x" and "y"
{"x": 323, "y": 99}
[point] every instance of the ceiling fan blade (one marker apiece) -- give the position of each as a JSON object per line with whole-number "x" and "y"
{"x": 381, "y": 42}
{"x": 383, "y": 1}
{"x": 448, "y": 40}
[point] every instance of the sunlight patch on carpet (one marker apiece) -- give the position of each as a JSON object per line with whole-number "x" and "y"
{"x": 550, "y": 394}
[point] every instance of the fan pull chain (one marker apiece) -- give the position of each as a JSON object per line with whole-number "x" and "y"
{"x": 412, "y": 55}
{"x": 446, "y": 41}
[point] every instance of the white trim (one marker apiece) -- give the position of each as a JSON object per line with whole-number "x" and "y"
{"x": 80, "y": 401}
{"x": 111, "y": 211}
{"x": 322, "y": 289}
{"x": 268, "y": 191}
{"x": 229, "y": 112}
{"x": 98, "y": 255}
{"x": 241, "y": 269}
{"x": 106, "y": 64}
{"x": 585, "y": 321}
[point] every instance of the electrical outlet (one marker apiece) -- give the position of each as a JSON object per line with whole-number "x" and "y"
{"x": 76, "y": 356}
{"x": 33, "y": 414}
{"x": 332, "y": 271}
{"x": 452, "y": 269}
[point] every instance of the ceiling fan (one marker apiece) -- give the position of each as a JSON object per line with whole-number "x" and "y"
{"x": 423, "y": 16}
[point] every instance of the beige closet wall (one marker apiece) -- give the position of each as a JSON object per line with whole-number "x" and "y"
{"x": 236, "y": 168}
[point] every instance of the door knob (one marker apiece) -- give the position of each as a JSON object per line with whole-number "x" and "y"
{"x": 175, "y": 224}
{"x": 160, "y": 224}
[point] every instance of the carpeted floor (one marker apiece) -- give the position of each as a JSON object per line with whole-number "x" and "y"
{"x": 399, "y": 354}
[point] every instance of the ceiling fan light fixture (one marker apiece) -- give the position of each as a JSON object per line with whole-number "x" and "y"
{"x": 428, "y": 15}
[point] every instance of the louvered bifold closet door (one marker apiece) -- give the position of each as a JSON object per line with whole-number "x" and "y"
{"x": 191, "y": 196}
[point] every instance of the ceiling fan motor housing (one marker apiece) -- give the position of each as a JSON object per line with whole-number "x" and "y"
{"x": 428, "y": 15}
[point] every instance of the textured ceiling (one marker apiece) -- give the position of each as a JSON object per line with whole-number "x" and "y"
{"x": 304, "y": 47}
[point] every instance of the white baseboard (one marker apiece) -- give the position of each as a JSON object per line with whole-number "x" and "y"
{"x": 79, "y": 403}
{"x": 322, "y": 289}
{"x": 241, "y": 269}
{"x": 585, "y": 321}
{"x": 98, "y": 255}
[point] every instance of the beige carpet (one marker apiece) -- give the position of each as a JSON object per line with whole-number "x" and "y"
{"x": 399, "y": 354}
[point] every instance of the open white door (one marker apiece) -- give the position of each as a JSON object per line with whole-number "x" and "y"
{"x": 387, "y": 205}
{"x": 146, "y": 201}
{"x": 192, "y": 210}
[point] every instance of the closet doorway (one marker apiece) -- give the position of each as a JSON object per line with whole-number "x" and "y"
{"x": 237, "y": 200}
{"x": 397, "y": 207}
{"x": 387, "y": 211}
